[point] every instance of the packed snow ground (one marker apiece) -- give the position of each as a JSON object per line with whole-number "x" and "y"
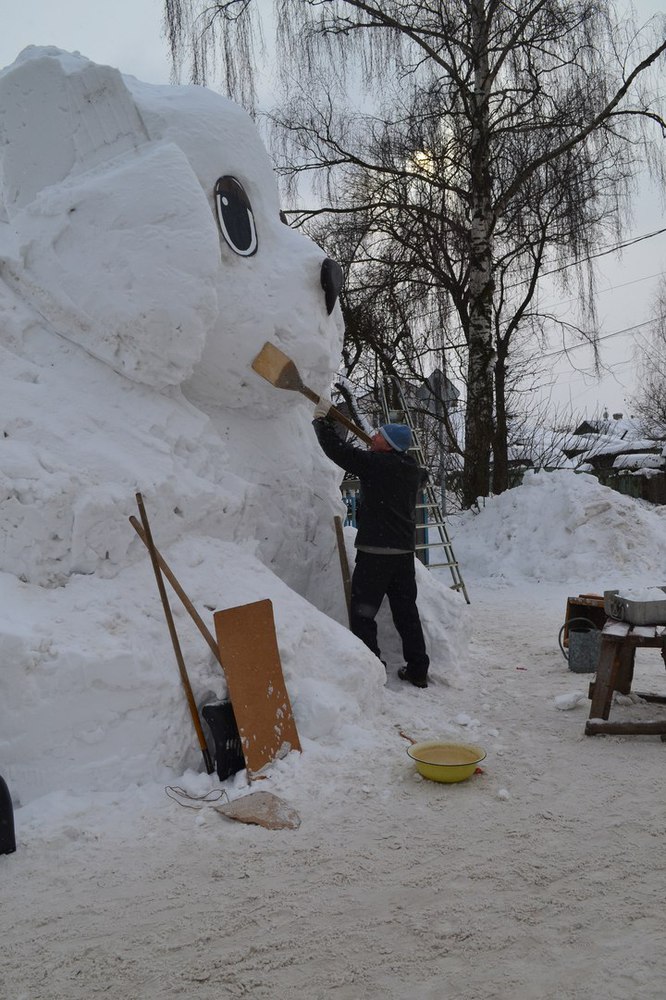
{"x": 126, "y": 335}
{"x": 540, "y": 878}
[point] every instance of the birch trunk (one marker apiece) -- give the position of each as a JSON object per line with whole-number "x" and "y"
{"x": 481, "y": 356}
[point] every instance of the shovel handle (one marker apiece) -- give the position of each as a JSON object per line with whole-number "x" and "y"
{"x": 344, "y": 562}
{"x": 194, "y": 712}
{"x": 349, "y": 424}
{"x": 335, "y": 414}
{"x": 185, "y": 601}
{"x": 273, "y": 365}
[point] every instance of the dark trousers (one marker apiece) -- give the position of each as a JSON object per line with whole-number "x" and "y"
{"x": 374, "y": 578}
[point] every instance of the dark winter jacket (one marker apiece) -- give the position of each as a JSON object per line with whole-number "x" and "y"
{"x": 390, "y": 481}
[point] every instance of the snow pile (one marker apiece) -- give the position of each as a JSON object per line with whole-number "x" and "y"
{"x": 128, "y": 327}
{"x": 561, "y": 526}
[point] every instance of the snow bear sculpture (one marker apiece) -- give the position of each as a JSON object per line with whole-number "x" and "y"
{"x": 100, "y": 167}
{"x": 142, "y": 224}
{"x": 143, "y": 265}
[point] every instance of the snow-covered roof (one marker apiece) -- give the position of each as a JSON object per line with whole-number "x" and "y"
{"x": 639, "y": 460}
{"x": 608, "y": 445}
{"x": 620, "y": 427}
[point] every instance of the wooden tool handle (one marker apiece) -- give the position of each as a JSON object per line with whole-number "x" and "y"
{"x": 340, "y": 417}
{"x": 349, "y": 424}
{"x": 186, "y": 602}
{"x": 344, "y": 562}
{"x": 194, "y": 712}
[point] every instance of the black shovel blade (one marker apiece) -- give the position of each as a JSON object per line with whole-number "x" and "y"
{"x": 7, "y": 836}
{"x": 221, "y": 721}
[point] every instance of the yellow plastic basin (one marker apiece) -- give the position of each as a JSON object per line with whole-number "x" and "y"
{"x": 448, "y": 762}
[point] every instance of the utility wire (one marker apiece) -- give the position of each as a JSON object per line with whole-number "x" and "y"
{"x": 603, "y": 252}
{"x": 613, "y": 249}
{"x": 606, "y": 336}
{"x": 604, "y": 291}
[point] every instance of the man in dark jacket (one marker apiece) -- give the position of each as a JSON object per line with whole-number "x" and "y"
{"x": 386, "y": 537}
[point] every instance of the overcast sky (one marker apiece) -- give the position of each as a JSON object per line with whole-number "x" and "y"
{"x": 128, "y": 34}
{"x": 122, "y": 33}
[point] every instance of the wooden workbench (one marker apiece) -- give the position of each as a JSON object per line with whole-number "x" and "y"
{"x": 615, "y": 672}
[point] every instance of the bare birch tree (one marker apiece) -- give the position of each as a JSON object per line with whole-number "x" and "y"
{"x": 516, "y": 126}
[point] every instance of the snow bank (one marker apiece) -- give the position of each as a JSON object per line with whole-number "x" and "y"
{"x": 561, "y": 526}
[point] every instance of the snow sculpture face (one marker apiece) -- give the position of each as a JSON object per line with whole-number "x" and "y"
{"x": 142, "y": 224}
{"x": 170, "y": 191}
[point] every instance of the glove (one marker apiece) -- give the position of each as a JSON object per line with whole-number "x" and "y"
{"x": 322, "y": 408}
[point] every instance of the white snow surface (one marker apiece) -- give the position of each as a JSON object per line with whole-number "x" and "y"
{"x": 565, "y": 526}
{"x": 126, "y": 336}
{"x": 643, "y": 594}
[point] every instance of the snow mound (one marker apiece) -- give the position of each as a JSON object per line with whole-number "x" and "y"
{"x": 561, "y": 526}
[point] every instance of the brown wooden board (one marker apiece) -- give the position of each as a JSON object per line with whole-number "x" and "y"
{"x": 249, "y": 651}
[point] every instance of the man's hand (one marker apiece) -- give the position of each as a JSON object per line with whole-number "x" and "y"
{"x": 322, "y": 408}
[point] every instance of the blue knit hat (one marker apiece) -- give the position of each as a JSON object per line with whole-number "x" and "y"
{"x": 398, "y": 436}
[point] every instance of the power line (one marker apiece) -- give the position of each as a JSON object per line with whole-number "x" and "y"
{"x": 603, "y": 252}
{"x": 604, "y": 291}
{"x": 621, "y": 246}
{"x": 575, "y": 376}
{"x": 625, "y": 284}
{"x": 606, "y": 336}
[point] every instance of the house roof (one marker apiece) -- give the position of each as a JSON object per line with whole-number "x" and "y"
{"x": 620, "y": 427}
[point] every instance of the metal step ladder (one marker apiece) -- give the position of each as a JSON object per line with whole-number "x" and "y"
{"x": 430, "y": 509}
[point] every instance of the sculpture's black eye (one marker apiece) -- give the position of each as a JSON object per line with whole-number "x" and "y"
{"x": 234, "y": 214}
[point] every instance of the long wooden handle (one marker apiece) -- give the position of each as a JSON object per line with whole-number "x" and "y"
{"x": 194, "y": 712}
{"x": 340, "y": 417}
{"x": 344, "y": 562}
{"x": 185, "y": 601}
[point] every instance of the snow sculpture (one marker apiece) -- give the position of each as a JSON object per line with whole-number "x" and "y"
{"x": 143, "y": 264}
{"x": 114, "y": 200}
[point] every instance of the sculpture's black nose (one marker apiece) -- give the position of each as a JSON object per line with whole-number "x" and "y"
{"x": 331, "y": 282}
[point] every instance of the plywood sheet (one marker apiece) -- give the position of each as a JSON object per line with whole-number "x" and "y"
{"x": 251, "y": 659}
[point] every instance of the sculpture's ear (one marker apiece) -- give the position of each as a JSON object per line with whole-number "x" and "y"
{"x": 62, "y": 115}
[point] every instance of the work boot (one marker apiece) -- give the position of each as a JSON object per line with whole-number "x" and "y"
{"x": 405, "y": 675}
